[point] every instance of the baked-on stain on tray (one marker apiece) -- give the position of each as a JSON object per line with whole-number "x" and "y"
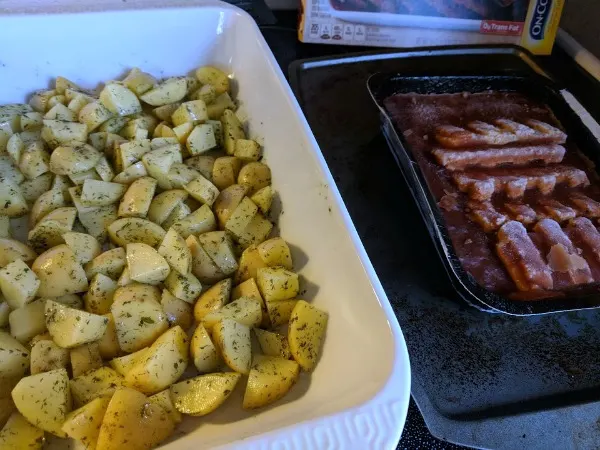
{"x": 498, "y": 162}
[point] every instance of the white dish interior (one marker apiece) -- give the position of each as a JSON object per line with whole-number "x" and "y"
{"x": 360, "y": 389}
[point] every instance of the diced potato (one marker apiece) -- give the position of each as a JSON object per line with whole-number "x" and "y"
{"x": 97, "y": 220}
{"x": 31, "y": 121}
{"x": 177, "y": 254}
{"x": 206, "y": 93}
{"x": 84, "y": 423}
{"x": 163, "y": 130}
{"x": 263, "y": 198}
{"x": 178, "y": 311}
{"x": 159, "y": 142}
{"x": 98, "y": 299}
{"x": 213, "y": 76}
{"x": 201, "y": 139}
{"x": 181, "y": 174}
{"x": 32, "y": 189}
{"x": 70, "y": 300}
{"x": 280, "y": 311}
{"x": 233, "y": 340}
{"x": 109, "y": 263}
{"x": 76, "y": 104}
{"x": 94, "y": 114}
{"x": 257, "y": 231}
{"x": 277, "y": 283}
{"x": 269, "y": 380}
{"x": 164, "y": 112}
{"x": 250, "y": 289}
{"x": 202, "y": 395}
{"x": 12, "y": 202}
{"x": 79, "y": 178}
{"x": 28, "y": 321}
{"x": 219, "y": 247}
{"x": 217, "y": 127}
{"x": 145, "y": 264}
{"x": 4, "y": 313}
{"x": 35, "y": 161}
{"x": 238, "y": 221}
{"x": 46, "y": 234}
{"x": 39, "y": 100}
{"x": 19, "y": 284}
{"x": 275, "y": 252}
{"x": 186, "y": 287}
{"x": 168, "y": 91}
{"x": 245, "y": 310}
{"x": 232, "y": 130}
{"x": 202, "y": 190}
{"x": 213, "y": 299}
{"x": 131, "y": 421}
{"x": 12, "y": 250}
{"x": 139, "y": 318}
{"x": 47, "y": 356}
{"x": 203, "y": 267}
{"x": 130, "y": 152}
{"x": 18, "y": 433}
{"x": 138, "y": 81}
{"x": 163, "y": 204}
{"x": 227, "y": 201}
{"x": 164, "y": 400}
{"x": 108, "y": 344}
{"x": 70, "y": 327}
{"x": 59, "y": 272}
{"x": 7, "y": 408}
{"x": 14, "y": 357}
{"x": 273, "y": 344}
{"x": 15, "y": 148}
{"x": 181, "y": 211}
{"x": 200, "y": 221}
{"x": 203, "y": 351}
{"x": 10, "y": 171}
{"x": 97, "y": 383}
{"x": 61, "y": 112}
{"x": 131, "y": 174}
{"x": 101, "y": 193}
{"x": 159, "y": 161}
{"x": 85, "y": 358}
{"x": 225, "y": 171}
{"x": 125, "y": 363}
{"x": 255, "y": 175}
{"x": 247, "y": 150}
{"x": 183, "y": 131}
{"x": 114, "y": 124}
{"x": 131, "y": 230}
{"x": 203, "y": 164}
{"x": 136, "y": 201}
{"x": 306, "y": 333}
{"x": 62, "y": 84}
{"x": 74, "y": 158}
{"x": 84, "y": 246}
{"x": 119, "y": 100}
{"x": 164, "y": 363}
{"x": 44, "y": 400}
{"x": 104, "y": 170}
{"x": 193, "y": 111}
{"x": 56, "y": 100}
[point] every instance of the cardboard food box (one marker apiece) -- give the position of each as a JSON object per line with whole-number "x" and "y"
{"x": 418, "y": 23}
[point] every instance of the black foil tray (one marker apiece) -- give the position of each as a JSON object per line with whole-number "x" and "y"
{"x": 537, "y": 87}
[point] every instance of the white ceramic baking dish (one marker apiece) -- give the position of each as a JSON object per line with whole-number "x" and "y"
{"x": 358, "y": 395}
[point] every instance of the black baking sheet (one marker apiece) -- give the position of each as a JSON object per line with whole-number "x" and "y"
{"x": 493, "y": 381}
